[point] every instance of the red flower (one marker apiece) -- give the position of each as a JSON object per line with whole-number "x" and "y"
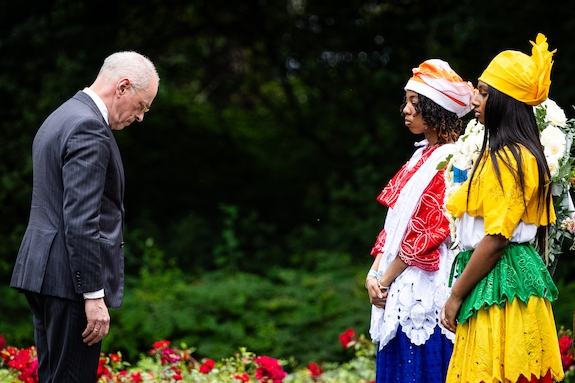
{"x": 161, "y": 344}
{"x": 168, "y": 356}
{"x": 567, "y": 361}
{"x": 24, "y": 361}
{"x": 269, "y": 369}
{"x": 178, "y": 374}
{"x": 103, "y": 370}
{"x": 564, "y": 344}
{"x": 136, "y": 377}
{"x": 207, "y": 366}
{"x": 314, "y": 369}
{"x": 347, "y": 337}
{"x": 115, "y": 358}
{"x": 243, "y": 377}
{"x": 2, "y": 342}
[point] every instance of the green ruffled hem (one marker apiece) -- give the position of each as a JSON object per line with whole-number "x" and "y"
{"x": 520, "y": 273}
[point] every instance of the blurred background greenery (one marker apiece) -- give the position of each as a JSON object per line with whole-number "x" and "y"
{"x": 251, "y": 183}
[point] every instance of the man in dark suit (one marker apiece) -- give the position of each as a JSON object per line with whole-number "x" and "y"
{"x": 71, "y": 262}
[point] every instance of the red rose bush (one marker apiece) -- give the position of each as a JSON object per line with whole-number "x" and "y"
{"x": 165, "y": 363}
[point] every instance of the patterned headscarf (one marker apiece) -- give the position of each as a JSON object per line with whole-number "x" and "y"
{"x": 525, "y": 78}
{"x": 435, "y": 79}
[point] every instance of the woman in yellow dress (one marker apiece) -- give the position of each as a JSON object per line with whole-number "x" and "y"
{"x": 500, "y": 302}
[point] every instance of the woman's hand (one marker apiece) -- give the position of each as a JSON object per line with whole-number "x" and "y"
{"x": 376, "y": 296}
{"x": 449, "y": 313}
{"x": 484, "y": 258}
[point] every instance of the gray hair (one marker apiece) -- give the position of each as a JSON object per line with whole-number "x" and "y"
{"x": 132, "y": 65}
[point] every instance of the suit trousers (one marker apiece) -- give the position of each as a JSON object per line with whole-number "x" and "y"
{"x": 63, "y": 357}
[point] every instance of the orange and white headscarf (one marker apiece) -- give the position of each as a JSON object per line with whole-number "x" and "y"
{"x": 524, "y": 78}
{"x": 435, "y": 79}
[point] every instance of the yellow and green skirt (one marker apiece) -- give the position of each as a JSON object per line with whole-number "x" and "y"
{"x": 506, "y": 330}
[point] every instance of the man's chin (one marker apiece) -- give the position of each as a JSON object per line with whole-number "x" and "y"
{"x": 118, "y": 126}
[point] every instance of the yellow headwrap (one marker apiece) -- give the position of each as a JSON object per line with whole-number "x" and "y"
{"x": 526, "y": 79}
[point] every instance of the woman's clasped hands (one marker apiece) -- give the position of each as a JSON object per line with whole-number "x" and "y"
{"x": 377, "y": 292}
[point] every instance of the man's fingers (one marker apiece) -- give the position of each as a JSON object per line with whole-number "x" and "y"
{"x": 94, "y": 335}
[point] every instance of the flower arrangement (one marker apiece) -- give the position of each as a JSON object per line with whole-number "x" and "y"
{"x": 556, "y": 134}
{"x": 167, "y": 364}
{"x": 557, "y": 137}
{"x": 465, "y": 155}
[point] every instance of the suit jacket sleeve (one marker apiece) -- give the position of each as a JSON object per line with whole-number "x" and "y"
{"x": 85, "y": 163}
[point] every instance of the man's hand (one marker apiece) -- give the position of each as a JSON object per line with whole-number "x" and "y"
{"x": 98, "y": 321}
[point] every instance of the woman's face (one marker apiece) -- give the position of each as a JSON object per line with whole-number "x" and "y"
{"x": 480, "y": 100}
{"x": 414, "y": 123}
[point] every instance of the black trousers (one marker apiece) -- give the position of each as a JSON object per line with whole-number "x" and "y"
{"x": 62, "y": 355}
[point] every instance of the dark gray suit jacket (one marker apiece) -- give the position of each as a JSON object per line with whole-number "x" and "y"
{"x": 74, "y": 242}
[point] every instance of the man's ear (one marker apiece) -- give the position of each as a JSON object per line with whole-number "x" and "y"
{"x": 122, "y": 86}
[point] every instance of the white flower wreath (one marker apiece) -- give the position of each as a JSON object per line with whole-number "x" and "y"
{"x": 556, "y": 138}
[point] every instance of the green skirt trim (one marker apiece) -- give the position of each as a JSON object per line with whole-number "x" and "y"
{"x": 520, "y": 273}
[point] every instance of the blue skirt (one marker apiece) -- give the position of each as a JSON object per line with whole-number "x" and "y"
{"x": 401, "y": 361}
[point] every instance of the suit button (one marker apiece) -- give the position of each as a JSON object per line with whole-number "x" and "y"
{"x": 122, "y": 244}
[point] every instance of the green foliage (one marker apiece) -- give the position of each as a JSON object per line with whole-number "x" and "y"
{"x": 290, "y": 313}
{"x": 256, "y": 171}
{"x": 16, "y": 318}
{"x": 287, "y": 113}
{"x": 564, "y": 306}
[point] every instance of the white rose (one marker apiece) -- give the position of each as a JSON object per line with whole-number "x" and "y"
{"x": 552, "y": 135}
{"x": 555, "y": 115}
{"x": 458, "y": 144}
{"x": 448, "y": 175}
{"x": 461, "y": 162}
{"x": 553, "y": 164}
{"x": 470, "y": 125}
{"x": 466, "y": 149}
{"x": 478, "y": 128}
{"x": 462, "y": 159}
{"x": 477, "y": 141}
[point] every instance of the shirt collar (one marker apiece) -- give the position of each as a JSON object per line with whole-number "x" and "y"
{"x": 99, "y": 103}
